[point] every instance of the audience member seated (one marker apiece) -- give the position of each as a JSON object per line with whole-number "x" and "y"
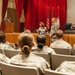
{"x": 29, "y": 32}
{"x": 41, "y": 41}
{"x": 3, "y": 43}
{"x": 25, "y": 57}
{"x": 60, "y": 43}
{"x": 67, "y": 67}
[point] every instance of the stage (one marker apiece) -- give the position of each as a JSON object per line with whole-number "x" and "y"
{"x": 13, "y": 38}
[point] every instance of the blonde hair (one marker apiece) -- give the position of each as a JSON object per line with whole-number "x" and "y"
{"x": 25, "y": 41}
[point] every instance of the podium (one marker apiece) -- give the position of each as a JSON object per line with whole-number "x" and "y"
{"x": 8, "y": 27}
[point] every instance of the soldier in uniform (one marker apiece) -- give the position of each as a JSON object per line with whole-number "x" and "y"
{"x": 55, "y": 26}
{"x": 5, "y": 44}
{"x": 41, "y": 41}
{"x": 25, "y": 57}
{"x": 60, "y": 43}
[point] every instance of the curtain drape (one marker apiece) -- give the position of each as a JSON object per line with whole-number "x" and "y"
{"x": 19, "y": 6}
{"x": 37, "y": 10}
{"x": 4, "y": 8}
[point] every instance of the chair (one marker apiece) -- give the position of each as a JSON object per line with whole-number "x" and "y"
{"x": 73, "y": 52}
{"x": 44, "y": 55}
{"x": 57, "y": 59}
{"x": 51, "y": 72}
{"x": 9, "y": 69}
{"x": 10, "y": 53}
{"x": 62, "y": 51}
{"x": 1, "y": 51}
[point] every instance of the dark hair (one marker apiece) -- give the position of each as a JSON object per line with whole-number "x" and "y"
{"x": 25, "y": 40}
{"x": 41, "y": 40}
{"x": 2, "y": 36}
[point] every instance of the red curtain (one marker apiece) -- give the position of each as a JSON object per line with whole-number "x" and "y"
{"x": 4, "y": 8}
{"x": 37, "y": 10}
{"x": 19, "y": 6}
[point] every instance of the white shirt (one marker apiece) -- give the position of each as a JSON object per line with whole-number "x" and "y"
{"x": 42, "y": 30}
{"x": 60, "y": 44}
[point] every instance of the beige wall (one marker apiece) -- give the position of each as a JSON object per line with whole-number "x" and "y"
{"x": 71, "y": 11}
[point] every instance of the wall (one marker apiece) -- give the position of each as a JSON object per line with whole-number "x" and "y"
{"x": 71, "y": 11}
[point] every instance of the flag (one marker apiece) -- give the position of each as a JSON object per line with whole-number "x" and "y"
{"x": 48, "y": 21}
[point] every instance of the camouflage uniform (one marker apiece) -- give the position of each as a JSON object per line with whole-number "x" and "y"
{"x": 30, "y": 61}
{"x": 60, "y": 44}
{"x": 45, "y": 49}
{"x": 6, "y": 46}
{"x": 55, "y": 26}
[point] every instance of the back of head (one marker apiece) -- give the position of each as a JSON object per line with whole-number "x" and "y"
{"x": 2, "y": 37}
{"x": 25, "y": 41}
{"x": 59, "y": 34}
{"x": 41, "y": 40}
{"x": 27, "y": 31}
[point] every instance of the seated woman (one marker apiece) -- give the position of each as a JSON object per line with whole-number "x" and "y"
{"x": 42, "y": 29}
{"x": 3, "y": 43}
{"x": 41, "y": 41}
{"x": 25, "y": 57}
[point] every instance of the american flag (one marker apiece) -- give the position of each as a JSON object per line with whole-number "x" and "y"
{"x": 48, "y": 21}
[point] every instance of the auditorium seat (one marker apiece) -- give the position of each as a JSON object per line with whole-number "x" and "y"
{"x": 51, "y": 72}
{"x": 57, "y": 59}
{"x": 11, "y": 53}
{"x": 9, "y": 69}
{"x": 63, "y": 51}
{"x": 44, "y": 55}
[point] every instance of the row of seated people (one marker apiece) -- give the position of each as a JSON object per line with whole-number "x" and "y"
{"x": 25, "y": 57}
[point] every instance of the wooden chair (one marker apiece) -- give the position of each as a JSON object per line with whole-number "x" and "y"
{"x": 51, "y": 72}
{"x": 62, "y": 51}
{"x": 57, "y": 59}
{"x": 9, "y": 69}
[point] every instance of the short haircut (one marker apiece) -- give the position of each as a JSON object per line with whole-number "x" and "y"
{"x": 59, "y": 33}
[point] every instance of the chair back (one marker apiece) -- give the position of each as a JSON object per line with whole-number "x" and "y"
{"x": 57, "y": 59}
{"x": 51, "y": 72}
{"x": 62, "y": 51}
{"x": 9, "y": 69}
{"x": 73, "y": 52}
{"x": 11, "y": 53}
{"x": 46, "y": 56}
